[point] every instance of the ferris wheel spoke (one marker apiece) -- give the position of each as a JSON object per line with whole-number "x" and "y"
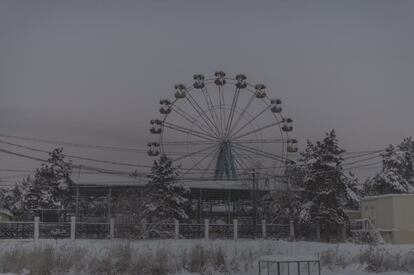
{"x": 188, "y": 131}
{"x": 260, "y": 152}
{"x": 242, "y": 113}
{"x": 195, "y": 153}
{"x": 200, "y": 160}
{"x": 239, "y": 159}
{"x": 257, "y": 130}
{"x": 213, "y": 159}
{"x": 185, "y": 143}
{"x": 189, "y": 118}
{"x": 223, "y": 108}
{"x": 244, "y": 155}
{"x": 200, "y": 111}
{"x": 210, "y": 105}
{"x": 232, "y": 110}
{"x": 250, "y": 121}
{"x": 261, "y": 141}
{"x": 220, "y": 110}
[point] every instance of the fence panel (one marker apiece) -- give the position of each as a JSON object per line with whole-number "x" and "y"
{"x": 54, "y": 230}
{"x": 92, "y": 230}
{"x": 159, "y": 230}
{"x": 129, "y": 231}
{"x": 305, "y": 231}
{"x": 16, "y": 230}
{"x": 277, "y": 231}
{"x": 191, "y": 231}
{"x": 249, "y": 231}
{"x": 221, "y": 231}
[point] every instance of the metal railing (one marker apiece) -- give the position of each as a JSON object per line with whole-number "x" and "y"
{"x": 110, "y": 230}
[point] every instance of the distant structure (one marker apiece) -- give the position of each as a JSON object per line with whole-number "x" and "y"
{"x": 391, "y": 216}
{"x": 5, "y": 215}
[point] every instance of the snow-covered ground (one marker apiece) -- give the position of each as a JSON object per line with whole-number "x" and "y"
{"x": 184, "y": 256}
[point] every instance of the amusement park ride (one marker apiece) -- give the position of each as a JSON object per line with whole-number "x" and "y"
{"x": 222, "y": 128}
{"x": 231, "y": 143}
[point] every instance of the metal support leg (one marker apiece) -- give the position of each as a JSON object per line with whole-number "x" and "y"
{"x": 319, "y": 267}
{"x": 260, "y": 270}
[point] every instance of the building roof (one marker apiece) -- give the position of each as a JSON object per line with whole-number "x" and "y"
{"x": 6, "y": 212}
{"x": 386, "y": 196}
{"x": 117, "y": 180}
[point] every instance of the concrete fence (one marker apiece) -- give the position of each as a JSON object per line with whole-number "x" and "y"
{"x": 111, "y": 230}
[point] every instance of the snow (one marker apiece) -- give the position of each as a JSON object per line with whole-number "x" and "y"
{"x": 6, "y": 212}
{"x": 243, "y": 252}
{"x": 387, "y": 196}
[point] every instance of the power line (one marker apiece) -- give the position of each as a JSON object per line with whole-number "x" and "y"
{"x": 86, "y": 167}
{"x": 362, "y": 160}
{"x": 72, "y": 144}
{"x": 76, "y": 157}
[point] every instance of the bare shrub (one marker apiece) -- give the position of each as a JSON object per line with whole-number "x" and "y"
{"x": 198, "y": 260}
{"x": 42, "y": 260}
{"x": 332, "y": 258}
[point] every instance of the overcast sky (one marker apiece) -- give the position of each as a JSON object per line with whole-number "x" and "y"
{"x": 94, "y": 71}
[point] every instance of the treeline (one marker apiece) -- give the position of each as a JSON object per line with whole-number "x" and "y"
{"x": 320, "y": 188}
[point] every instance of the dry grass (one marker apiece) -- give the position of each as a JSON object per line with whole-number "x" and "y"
{"x": 204, "y": 258}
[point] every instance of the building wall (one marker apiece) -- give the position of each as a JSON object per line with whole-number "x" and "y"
{"x": 4, "y": 218}
{"x": 380, "y": 210}
{"x": 403, "y": 213}
{"x": 392, "y": 214}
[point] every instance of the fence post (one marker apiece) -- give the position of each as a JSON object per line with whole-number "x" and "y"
{"x": 144, "y": 229}
{"x": 235, "y": 229}
{"x": 264, "y": 229}
{"x": 176, "y": 230}
{"x": 318, "y": 231}
{"x": 36, "y": 229}
{"x": 206, "y": 229}
{"x": 111, "y": 228}
{"x": 72, "y": 227}
{"x": 343, "y": 232}
{"x": 292, "y": 230}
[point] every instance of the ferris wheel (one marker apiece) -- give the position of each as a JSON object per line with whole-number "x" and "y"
{"x": 221, "y": 128}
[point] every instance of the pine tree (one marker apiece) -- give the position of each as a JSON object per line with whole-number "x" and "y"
{"x": 324, "y": 190}
{"x": 285, "y": 204}
{"x": 50, "y": 186}
{"x": 13, "y": 199}
{"x": 166, "y": 197}
{"x": 354, "y": 191}
{"x": 406, "y": 155}
{"x": 396, "y": 175}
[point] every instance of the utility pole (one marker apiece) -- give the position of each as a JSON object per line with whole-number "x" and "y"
{"x": 254, "y": 201}
{"x": 77, "y": 195}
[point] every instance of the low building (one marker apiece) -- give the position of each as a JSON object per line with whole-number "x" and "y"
{"x": 5, "y": 215}
{"x": 392, "y": 216}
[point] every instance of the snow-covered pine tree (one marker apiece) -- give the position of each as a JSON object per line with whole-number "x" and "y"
{"x": 395, "y": 176}
{"x": 406, "y": 148}
{"x": 166, "y": 196}
{"x": 285, "y": 205}
{"x": 354, "y": 191}
{"x": 13, "y": 198}
{"x": 50, "y": 185}
{"x": 323, "y": 187}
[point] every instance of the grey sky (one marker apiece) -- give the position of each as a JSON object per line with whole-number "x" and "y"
{"x": 94, "y": 71}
